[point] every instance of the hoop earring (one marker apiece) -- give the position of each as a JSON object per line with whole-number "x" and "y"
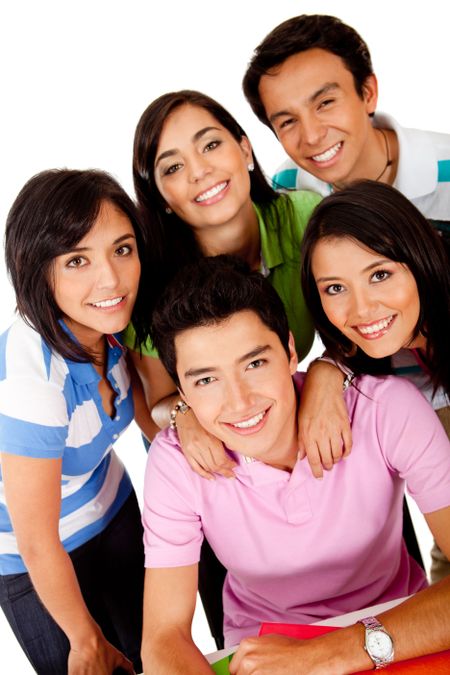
{"x": 250, "y": 166}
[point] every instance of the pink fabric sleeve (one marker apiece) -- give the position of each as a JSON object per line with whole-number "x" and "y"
{"x": 414, "y": 442}
{"x": 172, "y": 527}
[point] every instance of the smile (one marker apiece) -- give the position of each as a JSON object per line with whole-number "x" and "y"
{"x": 377, "y": 327}
{"x": 103, "y": 304}
{"x": 252, "y": 422}
{"x": 328, "y": 154}
{"x": 212, "y": 192}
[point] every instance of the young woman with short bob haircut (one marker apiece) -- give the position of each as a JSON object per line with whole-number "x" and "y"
{"x": 71, "y": 556}
{"x": 201, "y": 192}
{"x": 376, "y": 279}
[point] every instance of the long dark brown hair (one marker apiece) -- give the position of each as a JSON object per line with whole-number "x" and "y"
{"x": 382, "y": 219}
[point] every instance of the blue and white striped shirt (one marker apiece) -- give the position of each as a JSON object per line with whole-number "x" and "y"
{"x": 50, "y": 407}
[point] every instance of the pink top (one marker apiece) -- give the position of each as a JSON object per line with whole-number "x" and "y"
{"x": 298, "y": 549}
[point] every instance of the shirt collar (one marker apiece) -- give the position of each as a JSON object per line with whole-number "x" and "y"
{"x": 85, "y": 373}
{"x": 417, "y": 171}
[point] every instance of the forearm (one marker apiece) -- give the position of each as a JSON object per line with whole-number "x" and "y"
{"x": 55, "y": 581}
{"x": 162, "y": 409}
{"x": 420, "y": 625}
{"x": 173, "y": 652}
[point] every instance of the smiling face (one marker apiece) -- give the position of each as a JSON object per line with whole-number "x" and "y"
{"x": 201, "y": 170}
{"x": 96, "y": 284}
{"x": 319, "y": 118}
{"x": 372, "y": 300}
{"x": 237, "y": 378}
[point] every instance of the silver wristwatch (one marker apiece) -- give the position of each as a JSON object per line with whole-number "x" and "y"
{"x": 378, "y": 643}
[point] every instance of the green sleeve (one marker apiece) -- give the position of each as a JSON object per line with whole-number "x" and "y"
{"x": 129, "y": 340}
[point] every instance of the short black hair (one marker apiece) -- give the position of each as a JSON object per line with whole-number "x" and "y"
{"x": 208, "y": 292}
{"x": 54, "y": 210}
{"x": 299, "y": 34}
{"x": 382, "y": 219}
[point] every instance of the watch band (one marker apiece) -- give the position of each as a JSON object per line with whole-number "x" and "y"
{"x": 372, "y": 622}
{"x": 382, "y": 658}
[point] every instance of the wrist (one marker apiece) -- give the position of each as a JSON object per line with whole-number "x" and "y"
{"x": 85, "y": 637}
{"x": 180, "y": 407}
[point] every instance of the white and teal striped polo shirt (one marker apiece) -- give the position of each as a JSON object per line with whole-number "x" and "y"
{"x": 51, "y": 407}
{"x": 423, "y": 173}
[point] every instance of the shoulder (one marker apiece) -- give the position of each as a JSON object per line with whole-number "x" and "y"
{"x": 394, "y": 403}
{"x": 24, "y": 354}
{"x": 166, "y": 457}
{"x": 303, "y": 201}
{"x": 129, "y": 340}
{"x": 33, "y": 407}
{"x": 289, "y": 176}
{"x": 385, "y": 389}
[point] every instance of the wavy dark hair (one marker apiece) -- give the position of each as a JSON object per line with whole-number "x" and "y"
{"x": 380, "y": 218}
{"x": 173, "y": 241}
{"x": 298, "y": 34}
{"x": 54, "y": 210}
{"x": 208, "y": 292}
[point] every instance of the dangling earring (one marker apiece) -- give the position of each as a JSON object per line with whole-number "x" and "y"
{"x": 250, "y": 166}
{"x": 168, "y": 210}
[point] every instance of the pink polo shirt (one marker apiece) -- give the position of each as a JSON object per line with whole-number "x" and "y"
{"x": 298, "y": 549}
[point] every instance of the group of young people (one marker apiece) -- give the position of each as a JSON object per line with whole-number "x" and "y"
{"x": 215, "y": 282}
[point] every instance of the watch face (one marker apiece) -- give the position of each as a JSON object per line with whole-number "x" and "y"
{"x": 379, "y": 644}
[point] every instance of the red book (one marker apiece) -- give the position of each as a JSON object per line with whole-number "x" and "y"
{"x": 436, "y": 664}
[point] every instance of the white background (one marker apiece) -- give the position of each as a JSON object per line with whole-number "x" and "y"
{"x": 75, "y": 78}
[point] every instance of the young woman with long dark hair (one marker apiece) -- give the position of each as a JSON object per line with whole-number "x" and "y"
{"x": 71, "y": 554}
{"x": 376, "y": 279}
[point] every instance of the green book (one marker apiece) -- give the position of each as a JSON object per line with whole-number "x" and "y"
{"x": 221, "y": 667}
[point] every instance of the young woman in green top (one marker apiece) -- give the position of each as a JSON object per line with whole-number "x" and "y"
{"x": 202, "y": 192}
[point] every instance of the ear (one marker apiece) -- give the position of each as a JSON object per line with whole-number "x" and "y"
{"x": 370, "y": 93}
{"x": 293, "y": 358}
{"x": 246, "y": 149}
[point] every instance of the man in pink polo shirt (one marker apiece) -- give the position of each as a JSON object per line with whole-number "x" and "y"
{"x": 296, "y": 549}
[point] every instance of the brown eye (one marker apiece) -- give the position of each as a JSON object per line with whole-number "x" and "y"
{"x": 76, "y": 262}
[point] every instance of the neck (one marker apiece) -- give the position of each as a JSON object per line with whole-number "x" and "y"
{"x": 239, "y": 236}
{"x": 379, "y": 159}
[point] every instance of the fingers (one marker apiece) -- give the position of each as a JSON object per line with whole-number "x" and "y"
{"x": 195, "y": 466}
{"x": 326, "y": 450}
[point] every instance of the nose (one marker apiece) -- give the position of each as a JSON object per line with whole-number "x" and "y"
{"x": 239, "y": 398}
{"x": 312, "y": 130}
{"x": 107, "y": 276}
{"x": 363, "y": 305}
{"x": 199, "y": 167}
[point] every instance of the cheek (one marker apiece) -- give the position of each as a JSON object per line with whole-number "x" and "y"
{"x": 335, "y": 310}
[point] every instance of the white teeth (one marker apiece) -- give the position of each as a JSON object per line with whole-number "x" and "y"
{"x": 375, "y": 327}
{"x": 252, "y": 422}
{"x": 328, "y": 154}
{"x": 107, "y": 303}
{"x": 211, "y": 193}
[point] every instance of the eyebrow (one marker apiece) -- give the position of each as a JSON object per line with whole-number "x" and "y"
{"x": 196, "y": 137}
{"x": 198, "y": 372}
{"x": 325, "y": 89}
{"x": 119, "y": 240}
{"x": 377, "y": 263}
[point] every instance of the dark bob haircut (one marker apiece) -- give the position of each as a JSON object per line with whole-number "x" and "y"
{"x": 315, "y": 31}
{"x": 380, "y": 218}
{"x": 173, "y": 241}
{"x": 208, "y": 292}
{"x": 54, "y": 210}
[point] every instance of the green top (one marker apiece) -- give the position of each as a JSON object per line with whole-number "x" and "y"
{"x": 281, "y": 233}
